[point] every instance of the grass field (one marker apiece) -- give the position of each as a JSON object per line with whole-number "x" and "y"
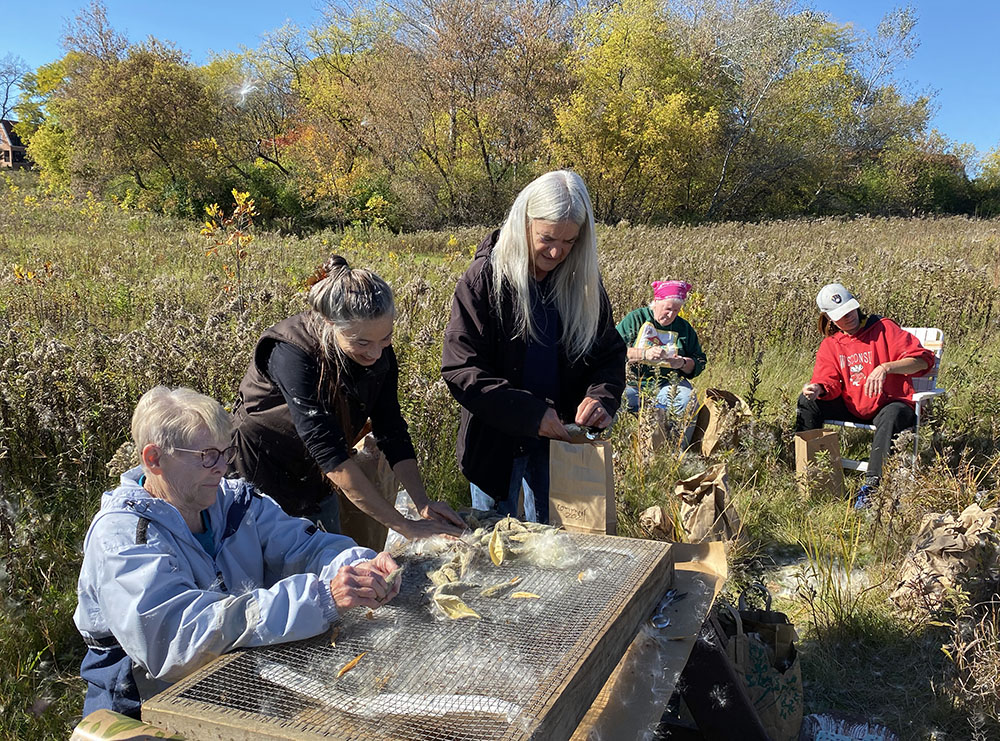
{"x": 98, "y": 304}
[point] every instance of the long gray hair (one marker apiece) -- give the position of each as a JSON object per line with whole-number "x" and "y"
{"x": 340, "y": 295}
{"x": 556, "y": 196}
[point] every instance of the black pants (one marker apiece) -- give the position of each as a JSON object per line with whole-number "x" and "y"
{"x": 890, "y": 420}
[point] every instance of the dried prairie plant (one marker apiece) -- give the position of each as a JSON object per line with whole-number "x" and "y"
{"x": 974, "y": 649}
{"x": 838, "y": 594}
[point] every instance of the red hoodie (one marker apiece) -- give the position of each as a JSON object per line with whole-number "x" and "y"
{"x": 844, "y": 361}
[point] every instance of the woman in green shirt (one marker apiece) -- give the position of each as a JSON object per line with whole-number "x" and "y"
{"x": 661, "y": 365}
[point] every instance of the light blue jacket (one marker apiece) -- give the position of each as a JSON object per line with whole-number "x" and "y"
{"x": 154, "y": 605}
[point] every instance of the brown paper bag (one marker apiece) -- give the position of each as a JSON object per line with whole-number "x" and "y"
{"x": 811, "y": 477}
{"x": 949, "y": 552}
{"x": 706, "y": 512}
{"x": 718, "y": 415}
{"x": 354, "y": 523}
{"x": 657, "y": 523}
{"x": 582, "y": 487}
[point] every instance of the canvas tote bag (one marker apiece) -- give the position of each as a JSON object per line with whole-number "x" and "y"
{"x": 761, "y": 646}
{"x": 811, "y": 477}
{"x": 582, "y": 487}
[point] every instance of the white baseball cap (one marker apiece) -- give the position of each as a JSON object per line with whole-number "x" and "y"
{"x": 836, "y": 301}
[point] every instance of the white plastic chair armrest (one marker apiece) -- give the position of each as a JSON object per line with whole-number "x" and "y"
{"x": 920, "y": 396}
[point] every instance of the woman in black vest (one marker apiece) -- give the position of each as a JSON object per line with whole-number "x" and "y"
{"x": 316, "y": 382}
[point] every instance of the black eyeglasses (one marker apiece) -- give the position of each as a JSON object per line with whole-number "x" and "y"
{"x": 210, "y": 456}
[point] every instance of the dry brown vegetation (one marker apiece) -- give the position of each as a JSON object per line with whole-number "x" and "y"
{"x": 97, "y": 304}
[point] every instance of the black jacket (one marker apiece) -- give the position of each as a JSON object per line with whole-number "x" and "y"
{"x": 483, "y": 364}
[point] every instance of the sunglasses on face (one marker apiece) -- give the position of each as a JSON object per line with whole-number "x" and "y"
{"x": 210, "y": 456}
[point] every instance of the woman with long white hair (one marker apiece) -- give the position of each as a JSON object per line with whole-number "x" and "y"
{"x": 531, "y": 344}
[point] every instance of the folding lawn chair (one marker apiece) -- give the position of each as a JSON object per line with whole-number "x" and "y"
{"x": 925, "y": 388}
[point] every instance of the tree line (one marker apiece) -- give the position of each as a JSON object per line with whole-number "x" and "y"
{"x": 420, "y": 113}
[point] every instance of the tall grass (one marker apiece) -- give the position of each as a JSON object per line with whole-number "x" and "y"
{"x": 98, "y": 304}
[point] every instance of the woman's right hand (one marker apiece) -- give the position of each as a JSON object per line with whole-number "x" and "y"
{"x": 552, "y": 427}
{"x": 358, "y": 587}
{"x": 425, "y": 528}
{"x": 656, "y": 355}
{"x": 812, "y": 391}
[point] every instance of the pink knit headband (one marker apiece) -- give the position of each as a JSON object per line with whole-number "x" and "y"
{"x": 670, "y": 289}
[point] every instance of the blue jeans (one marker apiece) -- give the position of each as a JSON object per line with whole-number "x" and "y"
{"x": 530, "y": 471}
{"x": 678, "y": 398}
{"x": 327, "y": 513}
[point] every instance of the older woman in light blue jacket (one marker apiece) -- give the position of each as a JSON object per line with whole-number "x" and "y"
{"x": 181, "y": 565}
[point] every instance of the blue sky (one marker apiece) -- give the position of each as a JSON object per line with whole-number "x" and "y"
{"x": 955, "y": 58}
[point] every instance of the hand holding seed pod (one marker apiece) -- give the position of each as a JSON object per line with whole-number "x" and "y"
{"x": 366, "y": 584}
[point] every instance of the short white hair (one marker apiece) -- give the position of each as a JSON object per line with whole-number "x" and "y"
{"x": 171, "y": 418}
{"x": 668, "y": 298}
{"x": 556, "y": 196}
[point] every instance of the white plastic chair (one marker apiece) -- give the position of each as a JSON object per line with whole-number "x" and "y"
{"x": 925, "y": 388}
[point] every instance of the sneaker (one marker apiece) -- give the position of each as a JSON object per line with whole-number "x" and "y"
{"x": 864, "y": 497}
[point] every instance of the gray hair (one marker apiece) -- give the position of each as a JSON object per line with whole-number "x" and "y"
{"x": 171, "y": 418}
{"x": 652, "y": 301}
{"x": 343, "y": 295}
{"x": 557, "y": 196}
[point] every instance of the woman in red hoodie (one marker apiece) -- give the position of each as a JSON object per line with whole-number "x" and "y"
{"x": 862, "y": 374}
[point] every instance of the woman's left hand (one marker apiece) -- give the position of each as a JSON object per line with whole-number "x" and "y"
{"x": 591, "y": 413}
{"x": 676, "y": 362}
{"x": 383, "y": 564}
{"x": 441, "y": 511}
{"x": 875, "y": 381}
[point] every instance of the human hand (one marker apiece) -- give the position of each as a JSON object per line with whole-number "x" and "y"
{"x": 655, "y": 354}
{"x": 676, "y": 362}
{"x": 383, "y": 564}
{"x": 358, "y": 586}
{"x": 812, "y": 390}
{"x": 426, "y": 528}
{"x": 591, "y": 413}
{"x": 876, "y": 380}
{"x": 552, "y": 427}
{"x": 442, "y": 512}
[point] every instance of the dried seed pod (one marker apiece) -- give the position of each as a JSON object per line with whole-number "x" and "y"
{"x": 454, "y": 607}
{"x": 525, "y": 595}
{"x": 350, "y": 664}
{"x": 496, "y": 589}
{"x": 393, "y": 576}
{"x": 465, "y": 559}
{"x": 496, "y": 547}
{"x": 510, "y": 524}
{"x": 456, "y": 588}
{"x": 537, "y": 527}
{"x": 437, "y": 578}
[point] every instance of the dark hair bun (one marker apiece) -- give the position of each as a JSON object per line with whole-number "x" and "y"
{"x": 336, "y": 262}
{"x": 333, "y": 264}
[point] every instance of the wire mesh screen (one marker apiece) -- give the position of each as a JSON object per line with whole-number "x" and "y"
{"x": 408, "y": 672}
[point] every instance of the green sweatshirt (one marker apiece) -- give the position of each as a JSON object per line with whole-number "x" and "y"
{"x": 653, "y": 377}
